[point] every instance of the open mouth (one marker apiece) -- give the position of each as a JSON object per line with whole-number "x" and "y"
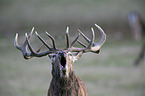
{"x": 63, "y": 66}
{"x": 63, "y": 61}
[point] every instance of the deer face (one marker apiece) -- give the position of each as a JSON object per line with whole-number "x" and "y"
{"x": 62, "y": 63}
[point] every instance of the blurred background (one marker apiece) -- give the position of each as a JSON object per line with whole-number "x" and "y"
{"x": 111, "y": 73}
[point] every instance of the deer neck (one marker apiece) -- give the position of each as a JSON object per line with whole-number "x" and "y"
{"x": 65, "y": 86}
{"x": 64, "y": 81}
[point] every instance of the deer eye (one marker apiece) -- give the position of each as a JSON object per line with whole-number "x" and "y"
{"x": 70, "y": 54}
{"x": 53, "y": 57}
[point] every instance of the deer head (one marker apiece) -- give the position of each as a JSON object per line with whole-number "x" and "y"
{"x": 62, "y": 59}
{"x": 62, "y": 64}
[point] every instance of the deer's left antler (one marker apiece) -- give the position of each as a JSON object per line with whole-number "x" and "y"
{"x": 92, "y": 46}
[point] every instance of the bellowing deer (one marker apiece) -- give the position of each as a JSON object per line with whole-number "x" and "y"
{"x": 64, "y": 80}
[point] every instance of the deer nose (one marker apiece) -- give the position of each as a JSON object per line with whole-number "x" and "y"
{"x": 62, "y": 54}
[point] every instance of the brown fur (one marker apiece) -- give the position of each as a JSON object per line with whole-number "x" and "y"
{"x": 72, "y": 86}
{"x": 65, "y": 83}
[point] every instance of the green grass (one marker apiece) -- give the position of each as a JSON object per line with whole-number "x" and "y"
{"x": 111, "y": 73}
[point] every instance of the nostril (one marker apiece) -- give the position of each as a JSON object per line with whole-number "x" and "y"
{"x": 63, "y": 61}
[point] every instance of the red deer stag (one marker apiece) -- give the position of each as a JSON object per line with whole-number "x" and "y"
{"x": 64, "y": 80}
{"x": 138, "y": 28}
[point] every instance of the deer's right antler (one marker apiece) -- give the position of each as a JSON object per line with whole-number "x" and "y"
{"x": 32, "y": 53}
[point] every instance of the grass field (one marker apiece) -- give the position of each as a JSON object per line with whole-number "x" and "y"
{"x": 110, "y": 73}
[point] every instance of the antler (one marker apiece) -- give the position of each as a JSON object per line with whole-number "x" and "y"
{"x": 92, "y": 46}
{"x": 32, "y": 53}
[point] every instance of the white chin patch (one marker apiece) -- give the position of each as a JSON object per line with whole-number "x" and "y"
{"x": 64, "y": 71}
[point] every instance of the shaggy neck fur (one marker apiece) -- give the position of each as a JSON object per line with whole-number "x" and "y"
{"x": 72, "y": 86}
{"x": 64, "y": 86}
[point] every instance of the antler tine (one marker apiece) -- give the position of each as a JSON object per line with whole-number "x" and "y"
{"x": 31, "y": 33}
{"x": 29, "y": 45}
{"x": 67, "y": 38}
{"x": 52, "y": 39}
{"x": 25, "y": 44}
{"x": 85, "y": 37}
{"x": 16, "y": 42}
{"x": 103, "y": 39}
{"x": 81, "y": 43}
{"x": 43, "y": 41}
{"x": 92, "y": 39}
{"x": 74, "y": 40}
